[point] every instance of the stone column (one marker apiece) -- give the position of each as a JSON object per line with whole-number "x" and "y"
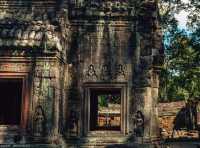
{"x": 154, "y": 129}
{"x": 145, "y": 101}
{"x": 43, "y": 95}
{"x": 146, "y": 79}
{"x": 56, "y": 103}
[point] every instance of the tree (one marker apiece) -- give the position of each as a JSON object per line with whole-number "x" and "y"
{"x": 180, "y": 75}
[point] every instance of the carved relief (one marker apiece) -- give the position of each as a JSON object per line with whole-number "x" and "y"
{"x": 43, "y": 95}
{"x": 43, "y": 80}
{"x": 106, "y": 6}
{"x": 73, "y": 123}
{"x": 16, "y": 67}
{"x": 91, "y": 73}
{"x": 41, "y": 89}
{"x": 39, "y": 122}
{"x": 139, "y": 124}
{"x": 45, "y": 70}
{"x": 106, "y": 73}
{"x": 120, "y": 72}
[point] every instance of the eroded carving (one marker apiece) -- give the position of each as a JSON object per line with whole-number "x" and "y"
{"x": 120, "y": 71}
{"x": 106, "y": 73}
{"x": 73, "y": 123}
{"x": 16, "y": 67}
{"x": 139, "y": 124}
{"x": 91, "y": 73}
{"x": 39, "y": 122}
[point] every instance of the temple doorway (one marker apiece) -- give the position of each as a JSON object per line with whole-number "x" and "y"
{"x": 10, "y": 101}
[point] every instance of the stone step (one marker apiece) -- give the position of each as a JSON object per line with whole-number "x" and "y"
{"x": 105, "y": 145}
{"x": 29, "y": 146}
{"x": 175, "y": 145}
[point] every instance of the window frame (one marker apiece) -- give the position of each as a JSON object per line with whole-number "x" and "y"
{"x": 24, "y": 102}
{"x": 88, "y": 88}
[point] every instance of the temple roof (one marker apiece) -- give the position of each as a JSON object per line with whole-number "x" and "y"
{"x": 25, "y": 34}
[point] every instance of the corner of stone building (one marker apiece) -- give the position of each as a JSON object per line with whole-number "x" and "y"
{"x": 85, "y": 55}
{"x": 150, "y": 59}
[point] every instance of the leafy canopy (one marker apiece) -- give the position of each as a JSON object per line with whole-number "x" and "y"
{"x": 180, "y": 75}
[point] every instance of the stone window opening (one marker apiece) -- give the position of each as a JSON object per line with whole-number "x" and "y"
{"x": 105, "y": 109}
{"x": 14, "y": 101}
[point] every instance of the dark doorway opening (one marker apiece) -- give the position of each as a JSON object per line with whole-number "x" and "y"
{"x": 105, "y": 109}
{"x": 10, "y": 101}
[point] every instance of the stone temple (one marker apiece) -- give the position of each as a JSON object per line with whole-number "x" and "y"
{"x": 79, "y": 73}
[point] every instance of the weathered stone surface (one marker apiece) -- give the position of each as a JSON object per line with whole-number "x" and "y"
{"x": 33, "y": 35}
{"x": 168, "y": 114}
{"x": 64, "y": 49}
{"x": 101, "y": 9}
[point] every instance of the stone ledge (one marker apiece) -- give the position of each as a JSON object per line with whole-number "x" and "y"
{"x": 29, "y": 146}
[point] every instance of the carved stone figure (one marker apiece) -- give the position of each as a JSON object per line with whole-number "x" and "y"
{"x": 106, "y": 73}
{"x": 120, "y": 73}
{"x": 91, "y": 73}
{"x": 139, "y": 124}
{"x": 39, "y": 122}
{"x": 73, "y": 124}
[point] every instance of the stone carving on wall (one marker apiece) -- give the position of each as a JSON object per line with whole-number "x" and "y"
{"x": 106, "y": 73}
{"x": 39, "y": 122}
{"x": 120, "y": 71}
{"x": 43, "y": 77}
{"x": 45, "y": 70}
{"x": 105, "y": 7}
{"x": 16, "y": 67}
{"x": 15, "y": 52}
{"x": 43, "y": 95}
{"x": 73, "y": 123}
{"x": 91, "y": 73}
{"x": 41, "y": 89}
{"x": 139, "y": 124}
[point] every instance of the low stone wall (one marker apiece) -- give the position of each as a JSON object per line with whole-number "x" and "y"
{"x": 168, "y": 112}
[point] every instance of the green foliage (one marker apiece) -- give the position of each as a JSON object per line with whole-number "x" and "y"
{"x": 194, "y": 18}
{"x": 102, "y": 101}
{"x": 180, "y": 75}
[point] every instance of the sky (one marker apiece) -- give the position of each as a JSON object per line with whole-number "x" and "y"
{"x": 182, "y": 17}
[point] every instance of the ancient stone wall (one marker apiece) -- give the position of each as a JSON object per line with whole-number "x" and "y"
{"x": 167, "y": 114}
{"x": 100, "y": 54}
{"x": 172, "y": 117}
{"x": 148, "y": 57}
{"x": 71, "y": 47}
{"x": 34, "y": 37}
